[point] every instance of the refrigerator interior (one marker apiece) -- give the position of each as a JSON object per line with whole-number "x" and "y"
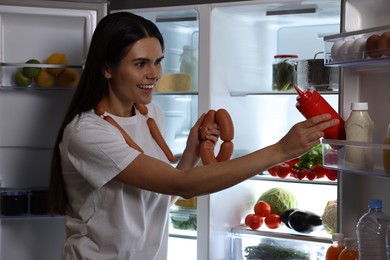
{"x": 366, "y": 82}
{"x": 243, "y": 42}
{"x": 34, "y": 114}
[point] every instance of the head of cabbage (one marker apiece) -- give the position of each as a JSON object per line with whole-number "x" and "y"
{"x": 279, "y": 199}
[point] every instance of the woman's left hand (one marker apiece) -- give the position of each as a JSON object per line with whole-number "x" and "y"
{"x": 194, "y": 139}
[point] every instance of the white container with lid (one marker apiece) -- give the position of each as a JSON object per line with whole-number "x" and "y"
{"x": 359, "y": 127}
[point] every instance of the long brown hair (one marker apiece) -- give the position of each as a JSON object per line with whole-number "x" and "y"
{"x": 113, "y": 37}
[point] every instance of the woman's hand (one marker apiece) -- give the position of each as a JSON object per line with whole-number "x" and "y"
{"x": 192, "y": 150}
{"x": 304, "y": 135}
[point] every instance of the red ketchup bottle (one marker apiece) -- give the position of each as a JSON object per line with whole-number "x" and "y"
{"x": 310, "y": 103}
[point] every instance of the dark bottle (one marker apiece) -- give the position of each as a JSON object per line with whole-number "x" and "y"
{"x": 302, "y": 221}
{"x": 310, "y": 103}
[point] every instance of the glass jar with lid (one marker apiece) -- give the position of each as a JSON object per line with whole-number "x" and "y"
{"x": 284, "y": 72}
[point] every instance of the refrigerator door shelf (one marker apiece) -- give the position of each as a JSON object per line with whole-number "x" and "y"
{"x": 356, "y": 49}
{"x": 13, "y": 76}
{"x": 357, "y": 157}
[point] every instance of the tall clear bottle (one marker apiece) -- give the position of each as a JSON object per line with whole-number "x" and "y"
{"x": 359, "y": 127}
{"x": 371, "y": 232}
{"x": 337, "y": 246}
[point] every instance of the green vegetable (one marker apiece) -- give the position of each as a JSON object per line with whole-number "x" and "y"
{"x": 268, "y": 252}
{"x": 279, "y": 199}
{"x": 329, "y": 217}
{"x": 189, "y": 224}
{"x": 311, "y": 158}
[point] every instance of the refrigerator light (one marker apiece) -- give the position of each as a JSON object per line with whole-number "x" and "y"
{"x": 292, "y": 10}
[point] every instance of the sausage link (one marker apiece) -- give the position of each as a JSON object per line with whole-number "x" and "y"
{"x": 225, "y": 151}
{"x": 156, "y": 134}
{"x": 207, "y": 152}
{"x": 141, "y": 108}
{"x": 209, "y": 119}
{"x": 100, "y": 109}
{"x": 225, "y": 123}
{"x": 128, "y": 139}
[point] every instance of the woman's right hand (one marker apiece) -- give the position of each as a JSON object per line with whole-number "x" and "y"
{"x": 304, "y": 135}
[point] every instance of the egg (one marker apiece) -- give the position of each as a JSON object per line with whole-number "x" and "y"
{"x": 346, "y": 50}
{"x": 335, "y": 51}
{"x": 358, "y": 48}
{"x": 384, "y": 43}
{"x": 372, "y": 46}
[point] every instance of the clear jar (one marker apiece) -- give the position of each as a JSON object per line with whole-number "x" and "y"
{"x": 284, "y": 72}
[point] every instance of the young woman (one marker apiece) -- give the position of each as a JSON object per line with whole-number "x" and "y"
{"x": 115, "y": 189}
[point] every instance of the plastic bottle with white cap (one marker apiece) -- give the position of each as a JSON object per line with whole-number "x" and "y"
{"x": 359, "y": 127}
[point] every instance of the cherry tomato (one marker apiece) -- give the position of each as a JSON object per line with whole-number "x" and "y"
{"x": 253, "y": 221}
{"x": 272, "y": 221}
{"x": 272, "y": 171}
{"x": 262, "y": 209}
{"x": 293, "y": 162}
{"x": 283, "y": 170}
{"x": 319, "y": 170}
{"x": 331, "y": 174}
{"x": 300, "y": 174}
{"x": 311, "y": 175}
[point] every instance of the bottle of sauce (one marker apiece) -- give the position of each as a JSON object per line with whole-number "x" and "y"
{"x": 386, "y": 153}
{"x": 337, "y": 246}
{"x": 359, "y": 127}
{"x": 350, "y": 252}
{"x": 310, "y": 103}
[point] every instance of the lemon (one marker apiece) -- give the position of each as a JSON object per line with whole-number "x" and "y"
{"x": 44, "y": 79}
{"x": 58, "y": 59}
{"x": 21, "y": 79}
{"x": 69, "y": 78}
{"x": 31, "y": 71}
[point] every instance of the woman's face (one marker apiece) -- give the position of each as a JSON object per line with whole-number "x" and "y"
{"x": 138, "y": 72}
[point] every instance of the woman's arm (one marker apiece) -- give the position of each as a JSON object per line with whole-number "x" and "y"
{"x": 151, "y": 174}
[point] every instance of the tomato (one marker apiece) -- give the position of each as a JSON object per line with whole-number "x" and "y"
{"x": 300, "y": 174}
{"x": 311, "y": 175}
{"x": 293, "y": 162}
{"x": 253, "y": 221}
{"x": 331, "y": 174}
{"x": 272, "y": 221}
{"x": 283, "y": 170}
{"x": 262, "y": 209}
{"x": 319, "y": 170}
{"x": 272, "y": 171}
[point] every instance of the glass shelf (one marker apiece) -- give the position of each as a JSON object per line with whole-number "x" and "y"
{"x": 246, "y": 93}
{"x": 357, "y": 157}
{"x": 268, "y": 177}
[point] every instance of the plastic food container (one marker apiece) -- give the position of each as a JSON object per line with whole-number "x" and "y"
{"x": 284, "y": 72}
{"x": 14, "y": 203}
{"x": 38, "y": 201}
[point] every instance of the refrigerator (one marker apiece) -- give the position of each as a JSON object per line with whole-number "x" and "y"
{"x": 235, "y": 43}
{"x": 32, "y": 113}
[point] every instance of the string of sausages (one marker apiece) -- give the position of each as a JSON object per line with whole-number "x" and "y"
{"x": 222, "y": 118}
{"x": 153, "y": 128}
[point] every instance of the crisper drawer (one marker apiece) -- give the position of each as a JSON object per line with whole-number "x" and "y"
{"x": 259, "y": 247}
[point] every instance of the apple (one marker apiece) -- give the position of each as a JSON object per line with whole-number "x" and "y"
{"x": 21, "y": 79}
{"x": 31, "y": 71}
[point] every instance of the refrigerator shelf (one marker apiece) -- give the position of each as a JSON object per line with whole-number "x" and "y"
{"x": 275, "y": 93}
{"x": 268, "y": 177}
{"x": 349, "y": 49}
{"x": 317, "y": 235}
{"x": 10, "y": 77}
{"x": 357, "y": 157}
{"x": 176, "y": 93}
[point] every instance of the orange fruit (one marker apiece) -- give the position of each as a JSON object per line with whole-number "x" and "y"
{"x": 57, "y": 59}
{"x": 44, "y": 79}
{"x": 69, "y": 78}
